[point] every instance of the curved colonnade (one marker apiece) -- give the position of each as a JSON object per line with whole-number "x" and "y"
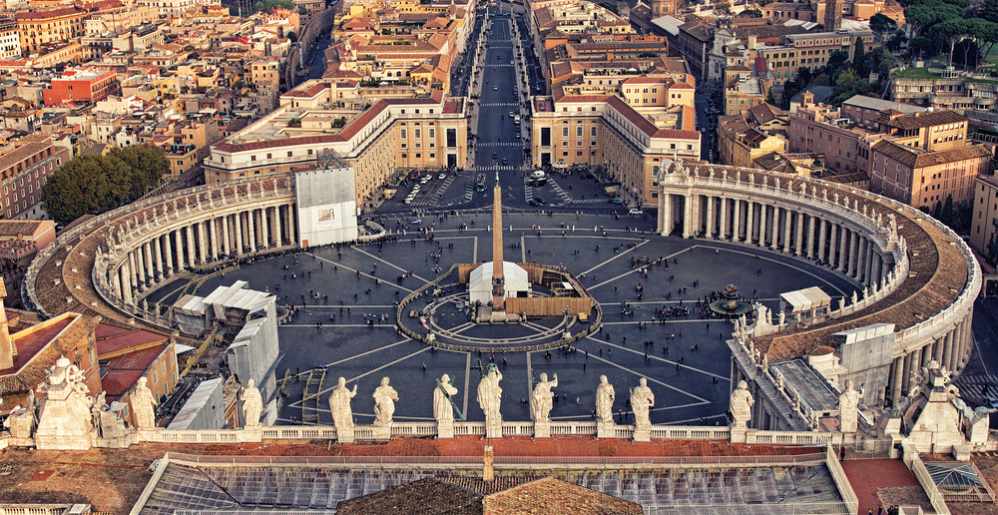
{"x": 107, "y": 264}
{"x": 912, "y": 271}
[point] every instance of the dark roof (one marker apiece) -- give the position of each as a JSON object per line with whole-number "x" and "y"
{"x": 427, "y": 496}
{"x": 930, "y": 119}
{"x": 539, "y": 497}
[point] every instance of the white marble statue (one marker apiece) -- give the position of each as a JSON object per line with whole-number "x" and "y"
{"x": 849, "y": 409}
{"x": 339, "y": 405}
{"x": 143, "y": 405}
{"x": 642, "y": 400}
{"x": 490, "y": 399}
{"x": 384, "y": 403}
{"x": 542, "y": 399}
{"x": 252, "y": 405}
{"x": 605, "y": 395}
{"x": 741, "y": 405}
{"x": 65, "y": 421}
{"x": 443, "y": 410}
{"x": 20, "y": 422}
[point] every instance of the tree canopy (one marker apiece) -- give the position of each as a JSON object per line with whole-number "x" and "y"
{"x": 92, "y": 184}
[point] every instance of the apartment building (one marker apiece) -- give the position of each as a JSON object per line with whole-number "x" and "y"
{"x": 927, "y": 178}
{"x": 84, "y": 85}
{"x": 25, "y": 166}
{"x": 811, "y": 51}
{"x": 391, "y": 134}
{"x": 606, "y": 130}
{"x": 40, "y": 28}
{"x": 984, "y": 222}
{"x": 10, "y": 39}
{"x": 752, "y": 134}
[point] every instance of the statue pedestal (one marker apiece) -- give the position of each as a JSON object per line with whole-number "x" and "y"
{"x": 344, "y": 435}
{"x": 642, "y": 433}
{"x": 445, "y": 429}
{"x": 382, "y": 433}
{"x": 542, "y": 429}
{"x": 493, "y": 429}
{"x": 739, "y": 434}
{"x": 606, "y": 430}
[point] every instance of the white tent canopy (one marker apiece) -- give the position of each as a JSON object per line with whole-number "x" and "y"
{"x": 480, "y": 282}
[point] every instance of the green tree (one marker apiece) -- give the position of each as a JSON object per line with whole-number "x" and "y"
{"x": 882, "y": 25}
{"x": 94, "y": 184}
{"x": 860, "y": 61}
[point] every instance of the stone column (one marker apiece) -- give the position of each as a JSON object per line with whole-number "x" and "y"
{"x": 736, "y": 229}
{"x": 157, "y": 249}
{"x": 853, "y": 254}
{"x": 897, "y": 381}
{"x": 937, "y": 350}
{"x": 240, "y": 247}
{"x": 709, "y": 231}
{"x": 292, "y": 226}
{"x": 667, "y": 217}
{"x": 132, "y": 277}
{"x": 724, "y": 219}
{"x": 191, "y": 248}
{"x": 948, "y": 350}
{"x": 202, "y": 242}
{"x": 763, "y": 208}
{"x": 822, "y": 238}
{"x": 168, "y": 252}
{"x": 799, "y": 251}
{"x": 150, "y": 271}
{"x": 787, "y": 225}
{"x": 126, "y": 281}
{"x": 265, "y": 225}
{"x": 278, "y": 237}
{"x": 909, "y": 370}
{"x": 843, "y": 259}
{"x": 251, "y": 228}
{"x": 774, "y": 234}
{"x": 811, "y": 244}
{"x": 749, "y": 221}
{"x": 833, "y": 239}
{"x": 178, "y": 237}
{"x": 225, "y": 235}
{"x": 116, "y": 280}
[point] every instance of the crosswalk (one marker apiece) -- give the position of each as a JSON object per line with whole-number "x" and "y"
{"x": 499, "y": 168}
{"x": 565, "y": 198}
{"x": 499, "y": 104}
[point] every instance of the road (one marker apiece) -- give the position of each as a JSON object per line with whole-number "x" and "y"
{"x": 498, "y": 146}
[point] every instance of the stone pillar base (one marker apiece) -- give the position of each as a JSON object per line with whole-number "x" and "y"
{"x": 344, "y": 435}
{"x": 251, "y": 434}
{"x": 445, "y": 429}
{"x": 642, "y": 434}
{"x": 383, "y": 433}
{"x": 542, "y": 429}
{"x": 493, "y": 429}
{"x": 739, "y": 434}
{"x": 606, "y": 430}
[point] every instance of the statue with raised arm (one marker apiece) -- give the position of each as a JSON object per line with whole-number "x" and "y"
{"x": 143, "y": 405}
{"x": 542, "y": 399}
{"x": 741, "y": 405}
{"x": 384, "y": 403}
{"x": 642, "y": 400}
{"x": 339, "y": 407}
{"x": 489, "y": 400}
{"x": 605, "y": 395}
{"x": 252, "y": 405}
{"x": 443, "y": 408}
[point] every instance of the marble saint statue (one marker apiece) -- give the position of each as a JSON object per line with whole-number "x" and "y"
{"x": 741, "y": 405}
{"x": 384, "y": 403}
{"x": 849, "y": 409}
{"x": 490, "y": 396}
{"x": 443, "y": 410}
{"x": 542, "y": 399}
{"x": 143, "y": 405}
{"x": 642, "y": 400}
{"x": 252, "y": 405}
{"x": 605, "y": 395}
{"x": 339, "y": 405}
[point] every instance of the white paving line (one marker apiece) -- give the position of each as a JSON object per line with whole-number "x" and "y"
{"x": 708, "y": 417}
{"x": 659, "y": 409}
{"x": 578, "y": 237}
{"x": 651, "y": 379}
{"x": 365, "y": 353}
{"x": 523, "y": 248}
{"x": 530, "y": 377}
{"x": 378, "y": 369}
{"x": 610, "y": 259}
{"x": 776, "y": 261}
{"x": 389, "y": 263}
{"x": 467, "y": 384}
{"x": 334, "y": 306}
{"x": 474, "y": 251}
{"x": 677, "y": 301}
{"x": 301, "y": 326}
{"x": 661, "y": 322}
{"x": 657, "y": 358}
{"x": 369, "y": 276}
{"x": 979, "y": 356}
{"x": 636, "y": 270}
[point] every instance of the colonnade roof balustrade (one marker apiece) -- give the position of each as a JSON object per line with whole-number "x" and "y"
{"x": 942, "y": 270}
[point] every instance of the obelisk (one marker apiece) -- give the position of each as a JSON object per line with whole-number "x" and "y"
{"x": 498, "y": 289}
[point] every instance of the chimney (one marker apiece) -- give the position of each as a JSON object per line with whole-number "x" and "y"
{"x": 488, "y": 472}
{"x": 7, "y": 350}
